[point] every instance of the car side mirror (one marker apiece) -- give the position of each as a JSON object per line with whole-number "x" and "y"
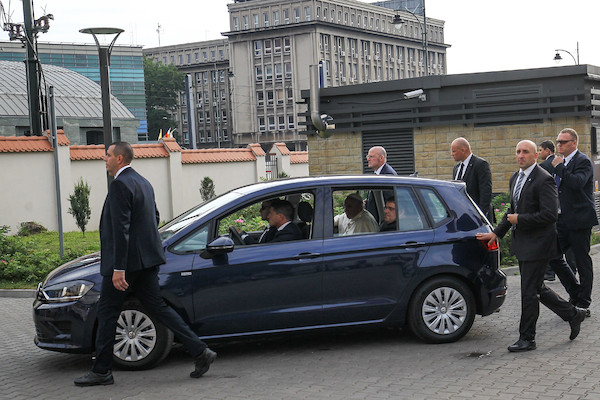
{"x": 218, "y": 247}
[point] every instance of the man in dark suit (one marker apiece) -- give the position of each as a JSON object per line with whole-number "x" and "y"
{"x": 269, "y": 231}
{"x": 377, "y": 160}
{"x": 577, "y": 216}
{"x": 132, "y": 251}
{"x": 531, "y": 219}
{"x": 546, "y": 153}
{"x": 280, "y": 217}
{"x": 475, "y": 172}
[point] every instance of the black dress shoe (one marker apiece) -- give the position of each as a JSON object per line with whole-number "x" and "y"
{"x": 575, "y": 322}
{"x": 549, "y": 278}
{"x": 93, "y": 379}
{"x": 203, "y": 362}
{"x": 522, "y": 345}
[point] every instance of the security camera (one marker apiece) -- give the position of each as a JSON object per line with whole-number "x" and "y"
{"x": 413, "y": 94}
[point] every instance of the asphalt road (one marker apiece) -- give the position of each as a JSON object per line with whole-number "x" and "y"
{"x": 372, "y": 364}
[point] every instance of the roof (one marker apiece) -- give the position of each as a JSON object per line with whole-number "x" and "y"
{"x": 282, "y": 149}
{"x": 298, "y": 157}
{"x": 217, "y": 155}
{"x": 27, "y": 144}
{"x": 96, "y": 151}
{"x": 75, "y": 95}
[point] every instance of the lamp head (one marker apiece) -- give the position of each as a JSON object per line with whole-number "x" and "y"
{"x": 557, "y": 58}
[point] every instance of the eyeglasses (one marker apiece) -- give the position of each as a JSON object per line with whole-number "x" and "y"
{"x": 565, "y": 141}
{"x": 390, "y": 208}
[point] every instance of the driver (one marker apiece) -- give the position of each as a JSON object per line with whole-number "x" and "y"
{"x": 280, "y": 215}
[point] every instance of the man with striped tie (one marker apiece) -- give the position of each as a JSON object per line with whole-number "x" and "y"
{"x": 531, "y": 218}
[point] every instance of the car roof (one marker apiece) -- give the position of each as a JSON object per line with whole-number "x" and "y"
{"x": 343, "y": 180}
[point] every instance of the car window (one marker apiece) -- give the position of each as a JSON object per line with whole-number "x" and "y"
{"x": 252, "y": 220}
{"x": 409, "y": 214}
{"x": 351, "y": 215}
{"x": 434, "y": 205}
{"x": 195, "y": 242}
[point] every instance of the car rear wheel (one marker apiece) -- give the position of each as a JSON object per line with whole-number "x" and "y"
{"x": 442, "y": 310}
{"x": 141, "y": 341}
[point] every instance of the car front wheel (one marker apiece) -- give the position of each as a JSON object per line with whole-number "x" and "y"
{"x": 141, "y": 341}
{"x": 442, "y": 310}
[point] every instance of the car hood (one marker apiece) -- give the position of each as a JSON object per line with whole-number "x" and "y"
{"x": 86, "y": 267}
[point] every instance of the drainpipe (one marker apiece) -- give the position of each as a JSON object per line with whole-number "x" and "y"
{"x": 320, "y": 121}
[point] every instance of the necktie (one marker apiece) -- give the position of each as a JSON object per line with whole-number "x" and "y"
{"x": 517, "y": 193}
{"x": 460, "y": 172}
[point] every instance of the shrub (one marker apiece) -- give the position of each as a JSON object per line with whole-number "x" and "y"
{"x": 207, "y": 190}
{"x": 30, "y": 228}
{"x": 80, "y": 204}
{"x": 501, "y": 203}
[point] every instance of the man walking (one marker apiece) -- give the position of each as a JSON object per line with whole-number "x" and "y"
{"x": 475, "y": 172}
{"x": 546, "y": 153}
{"x": 531, "y": 219}
{"x": 131, "y": 254}
{"x": 377, "y": 160}
{"x": 577, "y": 216}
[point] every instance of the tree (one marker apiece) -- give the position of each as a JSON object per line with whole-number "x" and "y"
{"x": 207, "y": 190}
{"x": 163, "y": 84}
{"x": 80, "y": 204}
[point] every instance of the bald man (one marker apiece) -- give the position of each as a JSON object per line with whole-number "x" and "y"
{"x": 377, "y": 161}
{"x": 531, "y": 219}
{"x": 475, "y": 172}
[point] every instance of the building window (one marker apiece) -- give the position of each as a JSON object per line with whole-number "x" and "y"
{"x": 255, "y": 18}
{"x": 275, "y": 17}
{"x": 222, "y": 76}
{"x": 213, "y": 55}
{"x": 277, "y": 45}
{"x": 200, "y": 117}
{"x": 258, "y": 48}
{"x": 287, "y": 44}
{"x": 279, "y": 96}
{"x": 261, "y": 124}
{"x": 281, "y": 122}
{"x": 339, "y": 20}
{"x": 172, "y": 59}
{"x": 268, "y": 46}
{"x": 260, "y": 96}
{"x": 278, "y": 71}
{"x": 266, "y": 19}
{"x": 197, "y": 56}
{"x": 198, "y": 78}
{"x": 290, "y": 122}
{"x": 165, "y": 60}
{"x": 271, "y": 120}
{"x": 206, "y": 97}
{"x": 307, "y": 13}
{"x": 325, "y": 14}
{"x": 268, "y": 72}
{"x": 259, "y": 73}
{"x": 270, "y": 99}
{"x": 236, "y": 24}
{"x": 245, "y": 19}
{"x": 297, "y": 14}
{"x": 287, "y": 66}
{"x": 346, "y": 18}
{"x": 290, "y": 94}
{"x": 221, "y": 54}
{"x": 286, "y": 16}
{"x": 332, "y": 15}
{"x": 189, "y": 58}
{"x": 204, "y": 56}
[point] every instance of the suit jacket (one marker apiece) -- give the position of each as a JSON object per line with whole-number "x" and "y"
{"x": 290, "y": 232}
{"x": 575, "y": 193}
{"x": 547, "y": 164}
{"x": 266, "y": 236}
{"x": 371, "y": 206}
{"x": 478, "y": 178}
{"x": 129, "y": 238}
{"x": 534, "y": 236}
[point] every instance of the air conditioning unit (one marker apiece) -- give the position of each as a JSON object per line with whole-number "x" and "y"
{"x": 369, "y": 81}
{"x": 202, "y": 140}
{"x": 400, "y": 60}
{"x": 355, "y": 55}
{"x": 368, "y": 57}
{"x": 413, "y": 63}
{"x": 392, "y": 59}
{"x": 342, "y": 53}
{"x": 343, "y": 79}
{"x": 420, "y": 63}
{"x": 215, "y": 103}
{"x": 351, "y": 80}
{"x": 199, "y": 105}
{"x": 378, "y": 57}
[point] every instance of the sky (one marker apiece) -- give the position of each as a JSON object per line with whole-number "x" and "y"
{"x": 484, "y": 35}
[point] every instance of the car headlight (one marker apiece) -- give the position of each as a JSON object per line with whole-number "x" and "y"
{"x": 67, "y": 291}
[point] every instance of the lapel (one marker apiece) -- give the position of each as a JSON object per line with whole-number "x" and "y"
{"x": 526, "y": 184}
{"x": 469, "y": 168}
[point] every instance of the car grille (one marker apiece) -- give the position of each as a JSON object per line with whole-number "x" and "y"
{"x": 53, "y": 331}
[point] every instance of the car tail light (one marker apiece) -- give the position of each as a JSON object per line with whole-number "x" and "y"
{"x": 490, "y": 247}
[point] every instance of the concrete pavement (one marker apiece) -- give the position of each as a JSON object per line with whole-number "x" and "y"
{"x": 372, "y": 364}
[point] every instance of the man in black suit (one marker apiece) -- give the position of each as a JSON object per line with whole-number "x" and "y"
{"x": 280, "y": 217}
{"x": 577, "y": 216}
{"x": 132, "y": 251}
{"x": 269, "y": 231}
{"x": 475, "y": 172}
{"x": 546, "y": 153}
{"x": 531, "y": 219}
{"x": 377, "y": 160}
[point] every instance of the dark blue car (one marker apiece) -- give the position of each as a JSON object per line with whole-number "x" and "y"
{"x": 426, "y": 270}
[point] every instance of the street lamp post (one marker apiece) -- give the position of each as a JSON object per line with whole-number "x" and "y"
{"x": 398, "y": 21}
{"x": 104, "y": 59}
{"x": 557, "y": 57}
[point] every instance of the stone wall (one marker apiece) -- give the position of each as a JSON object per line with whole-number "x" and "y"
{"x": 338, "y": 154}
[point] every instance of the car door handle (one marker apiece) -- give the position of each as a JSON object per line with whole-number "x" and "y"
{"x": 413, "y": 244}
{"x": 303, "y": 256}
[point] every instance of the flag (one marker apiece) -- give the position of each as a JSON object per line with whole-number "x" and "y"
{"x": 160, "y": 135}
{"x": 168, "y": 134}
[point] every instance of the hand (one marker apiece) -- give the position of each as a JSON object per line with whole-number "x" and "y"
{"x": 119, "y": 281}
{"x": 489, "y": 237}
{"x": 557, "y": 160}
{"x": 512, "y": 218}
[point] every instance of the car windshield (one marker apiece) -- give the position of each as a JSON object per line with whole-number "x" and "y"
{"x": 194, "y": 214}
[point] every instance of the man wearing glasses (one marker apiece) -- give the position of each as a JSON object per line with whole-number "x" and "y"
{"x": 576, "y": 216}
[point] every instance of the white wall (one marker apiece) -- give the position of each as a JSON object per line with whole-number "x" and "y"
{"x": 28, "y": 185}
